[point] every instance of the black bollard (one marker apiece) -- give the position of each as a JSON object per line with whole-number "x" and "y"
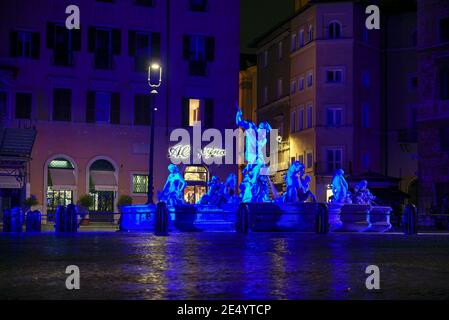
{"x": 16, "y": 219}
{"x": 71, "y": 218}
{"x": 33, "y": 221}
{"x": 161, "y": 220}
{"x": 322, "y": 219}
{"x": 242, "y": 223}
{"x": 59, "y": 219}
{"x": 6, "y": 220}
{"x": 410, "y": 219}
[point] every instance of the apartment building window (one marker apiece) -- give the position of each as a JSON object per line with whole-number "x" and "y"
{"x": 25, "y": 44}
{"x": 444, "y": 30}
{"x": 140, "y": 183}
{"x": 142, "y": 109}
{"x": 301, "y": 38}
{"x": 310, "y": 34}
{"x": 23, "y": 105}
{"x": 309, "y": 79}
{"x": 309, "y": 159}
{"x": 366, "y": 79}
{"x": 293, "y": 42}
{"x": 292, "y": 86}
{"x": 198, "y": 5}
{"x": 280, "y": 50}
{"x": 309, "y": 116}
{"x": 196, "y": 110}
{"x": 279, "y": 88}
{"x": 444, "y": 139}
{"x": 293, "y": 121}
{"x": 265, "y": 58}
{"x": 104, "y": 43}
{"x": 144, "y": 3}
{"x": 63, "y": 42}
{"x": 301, "y": 119}
{"x": 365, "y": 115}
{"x": 444, "y": 83}
{"x": 103, "y": 107}
{"x": 334, "y": 30}
{"x": 333, "y": 159}
{"x": 144, "y": 47}
{"x": 62, "y": 104}
{"x": 198, "y": 50}
{"x": 334, "y": 117}
{"x": 334, "y": 75}
{"x": 265, "y": 94}
{"x": 301, "y": 84}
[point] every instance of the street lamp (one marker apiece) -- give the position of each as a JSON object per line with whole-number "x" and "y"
{"x": 154, "y": 81}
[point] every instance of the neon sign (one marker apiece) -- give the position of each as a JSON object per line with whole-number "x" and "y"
{"x": 184, "y": 151}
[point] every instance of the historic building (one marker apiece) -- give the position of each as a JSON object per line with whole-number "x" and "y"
{"x": 86, "y": 92}
{"x": 433, "y": 107}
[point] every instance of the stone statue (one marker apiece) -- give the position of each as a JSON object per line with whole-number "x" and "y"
{"x": 214, "y": 195}
{"x": 292, "y": 182}
{"x": 252, "y": 188}
{"x": 304, "y": 193}
{"x": 339, "y": 187}
{"x": 172, "y": 194}
{"x": 229, "y": 191}
{"x": 362, "y": 195}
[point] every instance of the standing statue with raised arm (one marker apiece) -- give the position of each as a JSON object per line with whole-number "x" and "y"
{"x": 172, "y": 194}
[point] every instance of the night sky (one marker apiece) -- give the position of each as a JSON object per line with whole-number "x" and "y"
{"x": 259, "y": 16}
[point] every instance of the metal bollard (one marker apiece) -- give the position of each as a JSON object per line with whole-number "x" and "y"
{"x": 322, "y": 219}
{"x": 33, "y": 221}
{"x": 161, "y": 220}
{"x": 410, "y": 219}
{"x": 71, "y": 218}
{"x": 59, "y": 219}
{"x": 242, "y": 223}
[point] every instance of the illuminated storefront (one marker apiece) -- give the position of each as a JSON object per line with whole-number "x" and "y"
{"x": 196, "y": 178}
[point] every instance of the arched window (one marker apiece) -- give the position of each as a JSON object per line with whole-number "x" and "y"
{"x": 196, "y": 178}
{"x": 334, "y": 30}
{"x": 103, "y": 186}
{"x": 444, "y": 83}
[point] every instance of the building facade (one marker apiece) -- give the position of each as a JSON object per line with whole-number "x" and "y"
{"x": 86, "y": 92}
{"x": 433, "y": 107}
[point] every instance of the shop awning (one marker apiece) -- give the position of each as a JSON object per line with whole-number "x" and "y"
{"x": 62, "y": 179}
{"x": 104, "y": 180}
{"x": 9, "y": 182}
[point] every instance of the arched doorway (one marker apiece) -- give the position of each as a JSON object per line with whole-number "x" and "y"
{"x": 196, "y": 178}
{"x": 102, "y": 187}
{"x": 61, "y": 184}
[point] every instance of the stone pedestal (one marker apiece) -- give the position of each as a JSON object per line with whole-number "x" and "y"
{"x": 355, "y": 218}
{"x": 379, "y": 218}
{"x": 334, "y": 211}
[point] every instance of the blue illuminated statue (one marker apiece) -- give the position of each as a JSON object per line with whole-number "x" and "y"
{"x": 229, "y": 191}
{"x": 252, "y": 188}
{"x": 172, "y": 194}
{"x": 340, "y": 187}
{"x": 297, "y": 186}
{"x": 214, "y": 195}
{"x": 362, "y": 195}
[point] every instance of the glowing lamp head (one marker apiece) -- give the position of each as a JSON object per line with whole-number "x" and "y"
{"x": 155, "y": 75}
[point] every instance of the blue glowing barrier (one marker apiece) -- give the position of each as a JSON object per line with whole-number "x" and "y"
{"x": 66, "y": 219}
{"x": 13, "y": 220}
{"x": 33, "y": 221}
{"x": 213, "y": 218}
{"x": 137, "y": 217}
{"x": 364, "y": 218}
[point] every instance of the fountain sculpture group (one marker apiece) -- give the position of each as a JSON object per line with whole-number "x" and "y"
{"x": 355, "y": 211}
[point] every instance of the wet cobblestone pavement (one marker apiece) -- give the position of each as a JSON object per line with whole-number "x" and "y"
{"x": 224, "y": 266}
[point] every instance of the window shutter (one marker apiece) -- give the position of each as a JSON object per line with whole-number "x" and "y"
{"x": 209, "y": 113}
{"x": 116, "y": 41}
{"x": 115, "y": 108}
{"x": 155, "y": 45}
{"x": 186, "y": 47}
{"x": 210, "y": 48}
{"x": 131, "y": 43}
{"x": 185, "y": 112}
{"x": 76, "y": 39}
{"x": 35, "y": 45}
{"x": 50, "y": 35}
{"x": 91, "y": 39}
{"x": 90, "y": 106}
{"x": 13, "y": 43}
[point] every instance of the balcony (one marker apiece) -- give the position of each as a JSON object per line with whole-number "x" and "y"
{"x": 408, "y": 136}
{"x": 197, "y": 68}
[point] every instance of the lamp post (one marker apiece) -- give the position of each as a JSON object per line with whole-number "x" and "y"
{"x": 154, "y": 80}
